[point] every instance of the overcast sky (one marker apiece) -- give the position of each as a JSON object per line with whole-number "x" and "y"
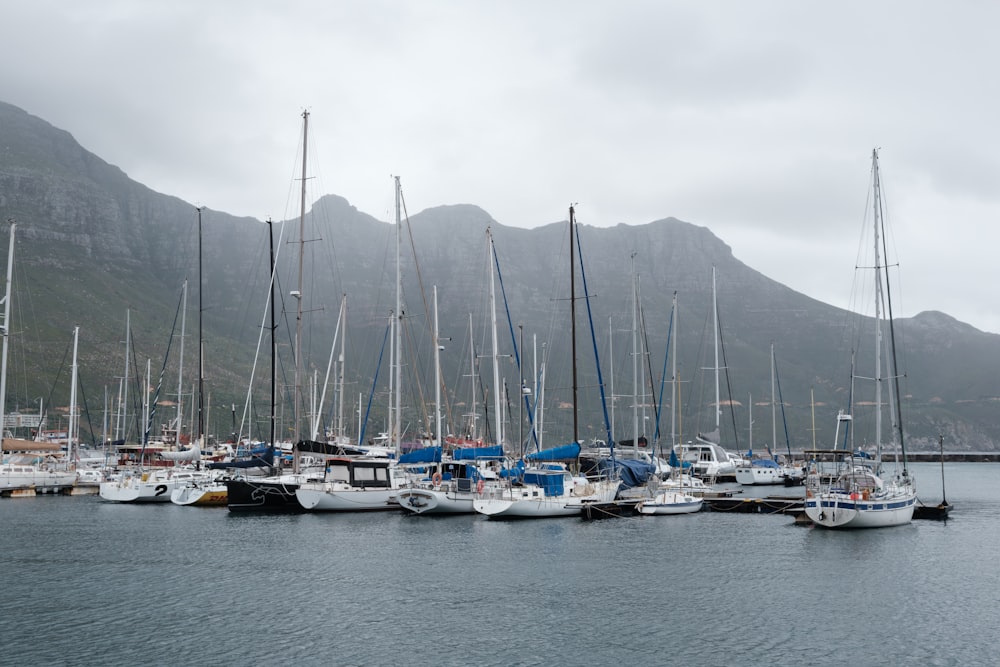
{"x": 754, "y": 119}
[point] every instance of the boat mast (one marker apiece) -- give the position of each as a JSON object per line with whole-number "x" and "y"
{"x": 201, "y": 345}
{"x": 397, "y": 338}
{"x": 270, "y": 296}
{"x": 473, "y": 416}
{"x": 298, "y": 293}
{"x": 493, "y": 329}
{"x": 123, "y": 430}
{"x": 715, "y": 320}
{"x": 774, "y": 416}
{"x": 73, "y": 420}
{"x": 878, "y": 312}
{"x": 892, "y": 331}
{"x": 635, "y": 363}
{"x": 674, "y": 409}
{"x": 5, "y": 331}
{"x": 437, "y": 374}
{"x": 572, "y": 316}
{"x": 180, "y": 368}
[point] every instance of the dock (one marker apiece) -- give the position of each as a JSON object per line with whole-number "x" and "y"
{"x": 766, "y": 505}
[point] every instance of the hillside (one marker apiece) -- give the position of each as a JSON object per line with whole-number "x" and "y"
{"x": 93, "y": 245}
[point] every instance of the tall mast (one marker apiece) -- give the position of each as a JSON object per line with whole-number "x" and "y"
{"x": 124, "y": 405}
{"x": 180, "y": 368}
{"x": 673, "y": 382}
{"x": 774, "y": 416}
{"x": 5, "y": 331}
{"x": 472, "y": 376}
{"x": 201, "y": 345}
{"x": 876, "y": 203}
{"x": 715, "y": 320}
{"x": 71, "y": 433}
{"x": 496, "y": 364}
{"x": 572, "y": 316}
{"x": 397, "y": 434}
{"x": 340, "y": 377}
{"x": 635, "y": 362}
{"x": 298, "y": 293}
{"x": 270, "y": 296}
{"x": 437, "y": 374}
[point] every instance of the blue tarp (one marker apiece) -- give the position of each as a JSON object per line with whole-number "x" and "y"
{"x": 516, "y": 471}
{"x": 473, "y": 453}
{"x": 630, "y": 471}
{"x": 568, "y": 452}
{"x": 764, "y": 463}
{"x": 551, "y": 483}
{"x": 265, "y": 459}
{"x": 422, "y": 455}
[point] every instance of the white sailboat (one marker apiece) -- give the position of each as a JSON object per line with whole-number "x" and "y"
{"x": 547, "y": 487}
{"x": 845, "y": 489}
{"x": 760, "y": 470}
{"x": 708, "y": 458}
{"x": 34, "y": 470}
{"x": 680, "y": 493}
{"x": 352, "y": 484}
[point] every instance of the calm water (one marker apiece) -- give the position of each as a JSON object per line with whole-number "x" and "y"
{"x": 88, "y": 582}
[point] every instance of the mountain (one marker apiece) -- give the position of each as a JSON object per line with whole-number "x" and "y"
{"x": 93, "y": 245}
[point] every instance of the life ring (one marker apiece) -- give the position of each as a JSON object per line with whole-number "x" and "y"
{"x": 480, "y": 485}
{"x": 436, "y": 478}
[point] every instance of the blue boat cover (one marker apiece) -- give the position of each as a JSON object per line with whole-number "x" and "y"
{"x": 422, "y": 455}
{"x": 568, "y": 452}
{"x": 552, "y": 484}
{"x": 473, "y": 453}
{"x": 764, "y": 463}
{"x": 263, "y": 460}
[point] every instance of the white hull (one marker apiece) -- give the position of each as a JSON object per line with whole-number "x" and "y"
{"x": 134, "y": 491}
{"x": 209, "y": 495}
{"x": 436, "y": 501}
{"x": 529, "y": 502}
{"x": 836, "y": 510}
{"x": 153, "y": 487}
{"x": 15, "y": 476}
{"x": 670, "y": 502}
{"x": 337, "y": 497}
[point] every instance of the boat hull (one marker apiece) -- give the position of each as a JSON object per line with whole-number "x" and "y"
{"x": 136, "y": 491}
{"x": 838, "y": 511}
{"x": 529, "y": 502}
{"x": 436, "y": 501}
{"x": 42, "y": 481}
{"x": 215, "y": 495}
{"x": 262, "y": 495}
{"x": 670, "y": 502}
{"x": 328, "y": 498}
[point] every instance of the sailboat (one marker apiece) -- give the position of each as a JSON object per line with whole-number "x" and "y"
{"x": 543, "y": 485}
{"x": 157, "y": 483}
{"x": 276, "y": 493}
{"x": 32, "y": 471}
{"x": 676, "y": 494}
{"x": 759, "y": 469}
{"x": 708, "y": 458}
{"x": 365, "y": 483}
{"x": 441, "y": 484}
{"x": 845, "y": 488}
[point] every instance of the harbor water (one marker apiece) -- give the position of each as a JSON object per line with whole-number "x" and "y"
{"x": 89, "y": 582}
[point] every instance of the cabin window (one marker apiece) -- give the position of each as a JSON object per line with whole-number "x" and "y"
{"x": 338, "y": 473}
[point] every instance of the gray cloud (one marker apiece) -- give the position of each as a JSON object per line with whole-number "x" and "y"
{"x": 754, "y": 119}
